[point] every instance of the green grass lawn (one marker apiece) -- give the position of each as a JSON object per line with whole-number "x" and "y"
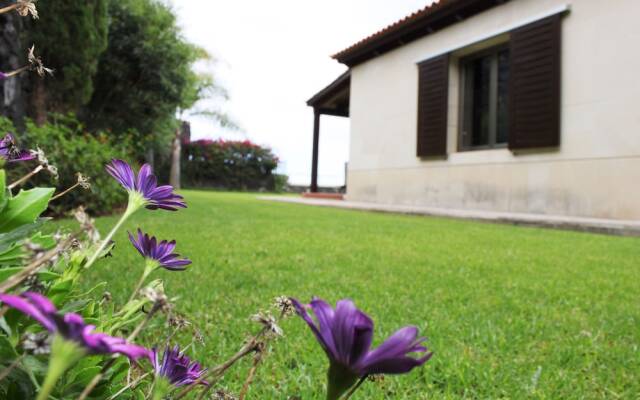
{"x": 510, "y": 312}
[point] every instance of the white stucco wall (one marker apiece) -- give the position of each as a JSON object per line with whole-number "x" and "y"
{"x": 596, "y": 170}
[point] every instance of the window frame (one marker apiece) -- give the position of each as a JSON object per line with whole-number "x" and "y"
{"x": 465, "y": 116}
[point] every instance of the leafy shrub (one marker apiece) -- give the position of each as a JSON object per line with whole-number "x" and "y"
{"x": 228, "y": 164}
{"x": 281, "y": 182}
{"x": 72, "y": 149}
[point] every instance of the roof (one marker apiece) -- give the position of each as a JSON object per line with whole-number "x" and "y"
{"x": 421, "y": 23}
{"x": 334, "y": 99}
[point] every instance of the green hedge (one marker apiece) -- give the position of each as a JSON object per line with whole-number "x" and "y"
{"x": 72, "y": 149}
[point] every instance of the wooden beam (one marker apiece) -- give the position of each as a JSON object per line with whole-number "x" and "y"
{"x": 314, "y": 155}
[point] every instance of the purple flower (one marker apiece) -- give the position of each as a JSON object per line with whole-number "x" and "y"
{"x": 11, "y": 153}
{"x": 146, "y": 185}
{"x": 346, "y": 333}
{"x": 176, "y": 367}
{"x": 71, "y": 326}
{"x": 162, "y": 252}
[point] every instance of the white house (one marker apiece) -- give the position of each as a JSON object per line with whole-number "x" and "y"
{"x": 528, "y": 106}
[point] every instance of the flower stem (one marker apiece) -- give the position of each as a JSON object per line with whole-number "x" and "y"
{"x": 64, "y": 192}
{"x": 32, "y": 268}
{"x": 140, "y": 327}
{"x": 63, "y": 355}
{"x": 250, "y": 346}
{"x": 356, "y": 387}
{"x": 246, "y": 349}
{"x": 96, "y": 379}
{"x": 148, "y": 269}
{"x": 132, "y": 385}
{"x": 251, "y": 375}
{"x": 26, "y": 177}
{"x": 50, "y": 383}
{"x": 5, "y": 372}
{"x": 16, "y": 72}
{"x": 8, "y": 8}
{"x": 131, "y": 209}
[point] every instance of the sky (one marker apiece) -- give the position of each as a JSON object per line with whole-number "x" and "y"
{"x": 272, "y": 56}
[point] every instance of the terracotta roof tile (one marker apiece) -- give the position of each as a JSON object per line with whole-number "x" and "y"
{"x": 433, "y": 17}
{"x": 427, "y": 10}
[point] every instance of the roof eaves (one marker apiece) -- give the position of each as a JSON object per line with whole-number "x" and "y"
{"x": 337, "y": 83}
{"x": 411, "y": 27}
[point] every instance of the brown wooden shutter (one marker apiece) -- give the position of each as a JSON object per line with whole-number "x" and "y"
{"x": 534, "y": 91}
{"x": 433, "y": 102}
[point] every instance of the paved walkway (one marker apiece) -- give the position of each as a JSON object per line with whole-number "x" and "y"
{"x": 609, "y": 226}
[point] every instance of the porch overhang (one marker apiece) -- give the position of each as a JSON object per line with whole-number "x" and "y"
{"x": 332, "y": 100}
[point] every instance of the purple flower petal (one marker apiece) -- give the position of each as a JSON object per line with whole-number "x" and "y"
{"x": 71, "y": 326}
{"x": 35, "y": 310}
{"x": 157, "y": 197}
{"x": 391, "y": 356}
{"x": 326, "y": 339}
{"x": 346, "y": 333}
{"x": 176, "y": 367}
{"x": 161, "y": 252}
{"x": 123, "y": 173}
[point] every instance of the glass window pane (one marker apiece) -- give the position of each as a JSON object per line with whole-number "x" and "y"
{"x": 502, "y": 125}
{"x": 481, "y": 70}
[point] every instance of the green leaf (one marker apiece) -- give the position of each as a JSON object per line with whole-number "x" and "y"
{"x": 44, "y": 276}
{"x": 7, "y": 351}
{"x": 24, "y": 208}
{"x": 15, "y": 254}
{"x": 12, "y": 256}
{"x": 83, "y": 377}
{"x": 3, "y": 189}
{"x": 139, "y": 394}
{"x": 5, "y": 327}
{"x": 21, "y": 233}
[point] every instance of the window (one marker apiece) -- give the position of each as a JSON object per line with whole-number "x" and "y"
{"x": 485, "y": 93}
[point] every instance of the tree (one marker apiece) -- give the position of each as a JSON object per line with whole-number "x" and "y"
{"x": 70, "y": 35}
{"x": 145, "y": 77}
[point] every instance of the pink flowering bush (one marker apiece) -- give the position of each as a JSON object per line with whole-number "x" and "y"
{"x": 228, "y": 164}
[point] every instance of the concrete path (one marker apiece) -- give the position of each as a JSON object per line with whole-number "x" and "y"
{"x": 608, "y": 226}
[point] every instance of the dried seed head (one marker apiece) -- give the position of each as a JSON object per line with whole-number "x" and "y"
{"x": 26, "y": 7}
{"x": 59, "y": 236}
{"x": 37, "y": 343}
{"x": 87, "y": 224}
{"x": 107, "y": 297}
{"x": 223, "y": 395}
{"x": 36, "y": 251}
{"x": 157, "y": 297}
{"x": 198, "y": 336}
{"x": 269, "y": 322}
{"x": 284, "y": 305}
{"x": 35, "y": 63}
{"x": 83, "y": 181}
{"x": 33, "y": 284}
{"x": 178, "y": 321}
{"x": 53, "y": 170}
{"x": 44, "y": 162}
{"x": 40, "y": 156}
